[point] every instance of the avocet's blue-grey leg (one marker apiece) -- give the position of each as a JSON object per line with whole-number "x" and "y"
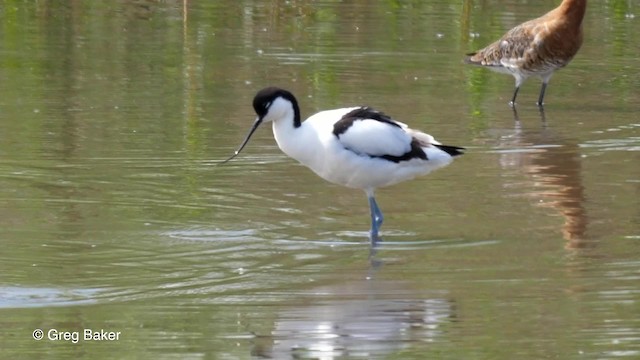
{"x": 376, "y": 217}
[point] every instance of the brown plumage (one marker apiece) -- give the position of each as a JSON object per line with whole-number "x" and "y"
{"x": 537, "y": 47}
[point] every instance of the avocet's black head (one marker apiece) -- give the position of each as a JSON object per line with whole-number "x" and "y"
{"x": 271, "y": 104}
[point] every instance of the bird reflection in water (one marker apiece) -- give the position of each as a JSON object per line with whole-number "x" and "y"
{"x": 367, "y": 319}
{"x": 554, "y": 167}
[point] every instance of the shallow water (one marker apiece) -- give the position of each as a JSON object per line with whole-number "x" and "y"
{"x": 115, "y": 215}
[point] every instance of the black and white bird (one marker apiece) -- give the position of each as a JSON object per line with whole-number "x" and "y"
{"x": 357, "y": 147}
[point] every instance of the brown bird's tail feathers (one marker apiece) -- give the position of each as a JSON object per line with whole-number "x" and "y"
{"x": 469, "y": 59}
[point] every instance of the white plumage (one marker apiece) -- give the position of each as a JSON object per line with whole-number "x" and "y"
{"x": 357, "y": 147}
{"x": 371, "y": 137}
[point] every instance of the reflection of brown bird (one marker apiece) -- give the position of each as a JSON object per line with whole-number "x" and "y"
{"x": 537, "y": 47}
{"x": 556, "y": 176}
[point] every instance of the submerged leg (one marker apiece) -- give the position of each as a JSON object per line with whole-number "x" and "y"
{"x": 543, "y": 118}
{"x": 376, "y": 217}
{"x": 516, "y": 118}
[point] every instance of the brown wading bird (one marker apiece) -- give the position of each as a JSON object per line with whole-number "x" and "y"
{"x": 537, "y": 47}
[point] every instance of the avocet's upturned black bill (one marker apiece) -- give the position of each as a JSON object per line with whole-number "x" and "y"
{"x": 357, "y": 147}
{"x": 246, "y": 139}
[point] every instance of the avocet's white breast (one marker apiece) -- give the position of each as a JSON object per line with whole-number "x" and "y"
{"x": 312, "y": 142}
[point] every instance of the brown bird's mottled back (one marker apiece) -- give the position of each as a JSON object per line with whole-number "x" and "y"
{"x": 537, "y": 47}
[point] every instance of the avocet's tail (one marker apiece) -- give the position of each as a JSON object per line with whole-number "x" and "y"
{"x": 451, "y": 150}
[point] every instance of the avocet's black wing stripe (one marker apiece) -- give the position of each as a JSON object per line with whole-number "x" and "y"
{"x": 362, "y": 113}
{"x": 416, "y": 152}
{"x": 371, "y": 133}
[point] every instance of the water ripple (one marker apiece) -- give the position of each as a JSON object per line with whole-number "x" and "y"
{"x": 26, "y": 297}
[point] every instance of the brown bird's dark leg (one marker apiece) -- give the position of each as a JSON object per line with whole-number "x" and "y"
{"x": 515, "y": 94}
{"x": 541, "y": 97}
